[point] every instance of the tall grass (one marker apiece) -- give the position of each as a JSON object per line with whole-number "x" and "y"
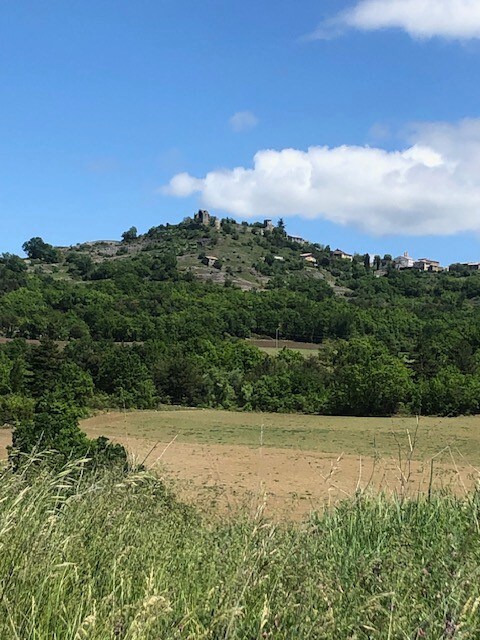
{"x": 114, "y": 557}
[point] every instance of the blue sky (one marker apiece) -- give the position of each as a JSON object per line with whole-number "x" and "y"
{"x": 103, "y": 103}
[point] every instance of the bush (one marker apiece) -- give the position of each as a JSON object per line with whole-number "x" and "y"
{"x": 37, "y": 249}
{"x": 104, "y": 453}
{"x": 130, "y": 235}
{"x": 54, "y": 427}
{"x": 16, "y": 408}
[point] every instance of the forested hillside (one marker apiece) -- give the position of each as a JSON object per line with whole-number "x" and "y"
{"x": 153, "y": 319}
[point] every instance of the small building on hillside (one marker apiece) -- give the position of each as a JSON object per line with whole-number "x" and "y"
{"x": 404, "y": 262}
{"x": 297, "y": 239}
{"x": 308, "y": 257}
{"x": 268, "y": 225}
{"x": 210, "y": 261}
{"x": 279, "y": 258}
{"x": 203, "y": 217}
{"x": 424, "y": 264}
{"x": 338, "y": 253}
{"x": 472, "y": 266}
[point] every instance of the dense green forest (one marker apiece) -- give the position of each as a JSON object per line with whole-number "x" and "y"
{"x": 138, "y": 328}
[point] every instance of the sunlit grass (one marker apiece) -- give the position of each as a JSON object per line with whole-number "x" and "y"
{"x": 111, "y": 557}
{"x": 329, "y": 434}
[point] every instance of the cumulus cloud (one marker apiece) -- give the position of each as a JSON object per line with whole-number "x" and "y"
{"x": 452, "y": 19}
{"x": 432, "y": 186}
{"x": 243, "y": 121}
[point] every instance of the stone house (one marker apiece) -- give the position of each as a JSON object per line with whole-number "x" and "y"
{"x": 424, "y": 264}
{"x": 338, "y": 253}
{"x": 308, "y": 257}
{"x": 404, "y": 262}
{"x": 297, "y": 239}
{"x": 203, "y": 217}
{"x": 210, "y": 261}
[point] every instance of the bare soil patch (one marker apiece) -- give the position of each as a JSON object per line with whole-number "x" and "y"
{"x": 5, "y": 441}
{"x": 287, "y": 481}
{"x": 270, "y": 343}
{"x": 291, "y": 465}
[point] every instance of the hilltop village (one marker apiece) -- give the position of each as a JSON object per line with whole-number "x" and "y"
{"x": 405, "y": 261}
{"x": 402, "y": 262}
{"x": 222, "y": 250}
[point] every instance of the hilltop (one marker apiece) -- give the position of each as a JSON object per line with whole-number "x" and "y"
{"x": 250, "y": 256}
{"x": 221, "y": 251}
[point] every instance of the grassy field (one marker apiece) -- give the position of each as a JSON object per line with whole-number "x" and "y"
{"x": 228, "y": 461}
{"x": 272, "y": 347}
{"x": 326, "y": 434}
{"x": 295, "y": 463}
{"x": 116, "y": 558}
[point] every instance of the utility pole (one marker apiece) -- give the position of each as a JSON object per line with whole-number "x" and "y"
{"x": 276, "y": 336}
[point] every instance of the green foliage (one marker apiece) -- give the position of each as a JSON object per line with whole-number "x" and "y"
{"x": 15, "y": 408}
{"x": 12, "y": 273}
{"x": 130, "y": 235}
{"x": 106, "y": 556}
{"x": 80, "y": 264}
{"x": 44, "y": 362}
{"x": 451, "y": 393}
{"x": 104, "y": 453}
{"x": 5, "y": 370}
{"x": 367, "y": 380}
{"x": 37, "y": 249}
{"x": 124, "y": 376}
{"x": 53, "y": 427}
{"x": 418, "y": 331}
{"x": 24, "y": 312}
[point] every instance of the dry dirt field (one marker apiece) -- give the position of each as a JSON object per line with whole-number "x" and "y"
{"x": 292, "y": 464}
{"x": 272, "y": 348}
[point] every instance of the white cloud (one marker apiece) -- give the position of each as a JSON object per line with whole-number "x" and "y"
{"x": 243, "y": 121}
{"x": 452, "y": 19}
{"x": 430, "y": 187}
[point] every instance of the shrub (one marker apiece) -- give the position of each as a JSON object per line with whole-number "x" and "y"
{"x": 16, "y": 408}
{"x": 54, "y": 427}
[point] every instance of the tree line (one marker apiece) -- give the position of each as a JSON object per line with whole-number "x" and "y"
{"x": 137, "y": 332}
